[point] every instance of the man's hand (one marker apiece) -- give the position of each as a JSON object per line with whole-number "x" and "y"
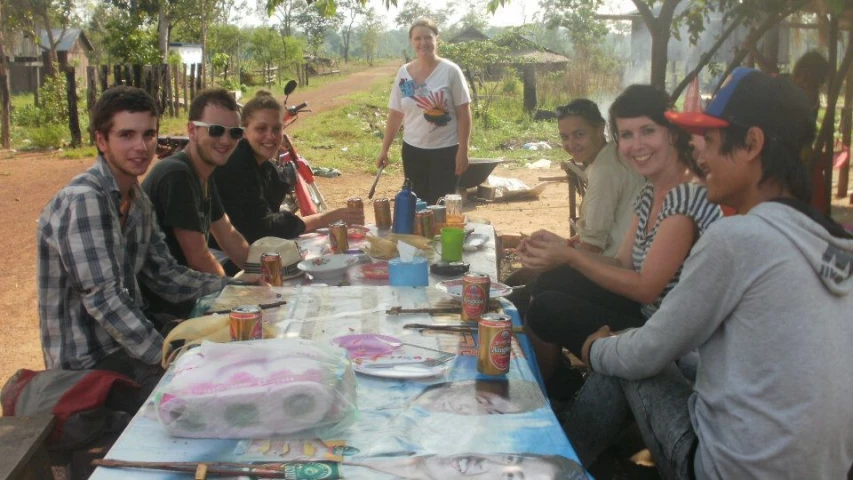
{"x": 350, "y": 216}
{"x": 587, "y": 345}
{"x": 544, "y": 250}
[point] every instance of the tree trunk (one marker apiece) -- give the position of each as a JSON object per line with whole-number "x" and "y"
{"x": 5, "y": 100}
{"x": 660, "y": 40}
{"x": 163, "y": 25}
{"x": 202, "y": 68}
{"x": 73, "y": 116}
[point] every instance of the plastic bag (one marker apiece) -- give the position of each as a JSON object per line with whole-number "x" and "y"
{"x": 258, "y": 389}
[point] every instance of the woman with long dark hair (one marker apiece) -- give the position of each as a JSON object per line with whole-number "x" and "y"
{"x": 670, "y": 213}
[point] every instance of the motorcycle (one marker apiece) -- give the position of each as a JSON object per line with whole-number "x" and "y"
{"x": 304, "y": 195}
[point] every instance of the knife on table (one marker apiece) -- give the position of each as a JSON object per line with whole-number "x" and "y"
{"x": 375, "y": 181}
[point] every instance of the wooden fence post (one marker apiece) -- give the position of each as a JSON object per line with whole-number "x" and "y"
{"x": 176, "y": 93}
{"x": 91, "y": 95}
{"x": 192, "y": 81}
{"x": 529, "y": 76}
{"x": 138, "y": 75}
{"x": 199, "y": 78}
{"x": 105, "y": 77}
{"x": 154, "y": 85}
{"x": 128, "y": 75}
{"x": 73, "y": 117}
{"x": 186, "y": 95}
{"x": 117, "y": 74}
{"x": 166, "y": 89}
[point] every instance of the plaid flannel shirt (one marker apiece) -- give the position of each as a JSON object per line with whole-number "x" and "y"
{"x": 90, "y": 303}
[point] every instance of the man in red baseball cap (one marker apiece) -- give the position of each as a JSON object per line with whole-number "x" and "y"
{"x": 764, "y": 298}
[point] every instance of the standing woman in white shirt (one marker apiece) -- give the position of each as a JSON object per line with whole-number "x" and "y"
{"x": 430, "y": 100}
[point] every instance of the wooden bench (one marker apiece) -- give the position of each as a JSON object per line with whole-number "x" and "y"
{"x": 22, "y": 451}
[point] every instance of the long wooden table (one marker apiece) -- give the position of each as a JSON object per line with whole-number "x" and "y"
{"x": 450, "y": 426}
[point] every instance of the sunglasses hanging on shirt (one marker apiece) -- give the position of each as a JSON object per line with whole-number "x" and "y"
{"x": 216, "y": 131}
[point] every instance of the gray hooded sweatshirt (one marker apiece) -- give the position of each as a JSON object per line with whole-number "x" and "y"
{"x": 766, "y": 299}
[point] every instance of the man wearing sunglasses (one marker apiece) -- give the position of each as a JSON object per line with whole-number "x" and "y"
{"x": 184, "y": 195}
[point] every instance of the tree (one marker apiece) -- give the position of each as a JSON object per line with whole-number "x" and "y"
{"x": 314, "y": 19}
{"x": 369, "y": 33}
{"x": 5, "y": 99}
{"x": 352, "y": 10}
{"x": 264, "y": 48}
{"x": 414, "y": 9}
{"x": 581, "y": 22}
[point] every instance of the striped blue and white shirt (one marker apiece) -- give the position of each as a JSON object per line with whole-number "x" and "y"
{"x": 89, "y": 267}
{"x": 689, "y": 199}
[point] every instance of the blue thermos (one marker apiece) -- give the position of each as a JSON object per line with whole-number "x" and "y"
{"x": 404, "y": 209}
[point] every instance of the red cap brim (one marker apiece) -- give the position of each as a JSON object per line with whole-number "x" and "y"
{"x": 695, "y": 122}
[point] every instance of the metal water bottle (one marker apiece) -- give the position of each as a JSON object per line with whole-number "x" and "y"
{"x": 404, "y": 209}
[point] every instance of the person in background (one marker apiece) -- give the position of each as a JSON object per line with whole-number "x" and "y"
{"x": 185, "y": 197}
{"x": 98, "y": 242}
{"x": 809, "y": 73}
{"x": 251, "y": 188}
{"x": 670, "y": 214}
{"x": 765, "y": 298}
{"x": 430, "y": 100}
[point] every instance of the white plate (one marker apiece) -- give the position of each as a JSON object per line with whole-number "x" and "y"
{"x": 326, "y": 267}
{"x": 401, "y": 371}
{"x": 454, "y": 288}
{"x": 474, "y": 242}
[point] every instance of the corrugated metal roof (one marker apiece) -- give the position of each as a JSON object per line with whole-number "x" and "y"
{"x": 66, "y": 42}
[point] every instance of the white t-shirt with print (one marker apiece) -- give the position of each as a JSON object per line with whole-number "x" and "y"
{"x": 429, "y": 109}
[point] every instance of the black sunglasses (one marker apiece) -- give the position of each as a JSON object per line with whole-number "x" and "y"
{"x": 218, "y": 130}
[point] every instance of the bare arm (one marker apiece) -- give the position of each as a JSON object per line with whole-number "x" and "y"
{"x": 392, "y": 126}
{"x": 463, "y": 132}
{"x": 230, "y": 240}
{"x": 350, "y": 216}
{"x": 196, "y": 252}
{"x": 626, "y": 248}
{"x": 675, "y": 237}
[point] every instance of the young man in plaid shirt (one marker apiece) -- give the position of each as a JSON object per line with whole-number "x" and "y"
{"x": 98, "y": 241}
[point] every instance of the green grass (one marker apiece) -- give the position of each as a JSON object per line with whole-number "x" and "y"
{"x": 350, "y": 137}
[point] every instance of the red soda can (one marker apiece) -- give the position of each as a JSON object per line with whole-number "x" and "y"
{"x": 494, "y": 333}
{"x": 338, "y": 241}
{"x": 246, "y": 323}
{"x": 475, "y": 296}
{"x": 382, "y": 212}
{"x": 271, "y": 268}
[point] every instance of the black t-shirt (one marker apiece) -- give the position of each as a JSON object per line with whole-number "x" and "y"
{"x": 180, "y": 201}
{"x": 251, "y": 195}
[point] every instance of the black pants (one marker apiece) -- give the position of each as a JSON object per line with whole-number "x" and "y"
{"x": 147, "y": 376}
{"x": 432, "y": 171}
{"x": 566, "y": 308}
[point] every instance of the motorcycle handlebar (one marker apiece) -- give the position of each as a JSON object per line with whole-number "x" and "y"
{"x": 298, "y": 108}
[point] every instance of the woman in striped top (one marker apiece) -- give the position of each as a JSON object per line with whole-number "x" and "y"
{"x": 670, "y": 213}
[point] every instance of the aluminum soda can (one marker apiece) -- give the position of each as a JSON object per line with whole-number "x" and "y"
{"x": 246, "y": 323}
{"x": 419, "y": 223}
{"x": 355, "y": 202}
{"x": 338, "y": 242}
{"x": 494, "y": 333}
{"x": 427, "y": 221}
{"x": 475, "y": 296}
{"x": 382, "y": 212}
{"x": 271, "y": 268}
